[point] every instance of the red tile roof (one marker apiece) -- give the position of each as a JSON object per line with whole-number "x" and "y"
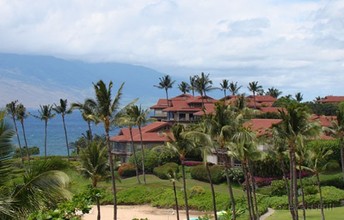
{"x": 162, "y": 103}
{"x": 332, "y": 99}
{"x": 260, "y": 126}
{"x": 324, "y": 121}
{"x": 270, "y": 109}
{"x": 153, "y": 132}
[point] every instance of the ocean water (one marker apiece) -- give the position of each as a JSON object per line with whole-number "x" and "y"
{"x": 56, "y": 144}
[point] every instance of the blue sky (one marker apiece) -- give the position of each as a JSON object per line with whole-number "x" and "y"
{"x": 293, "y": 45}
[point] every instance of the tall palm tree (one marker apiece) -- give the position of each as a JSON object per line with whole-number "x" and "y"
{"x": 12, "y": 111}
{"x": 87, "y": 111}
{"x": 254, "y": 88}
{"x": 165, "y": 83}
{"x": 274, "y": 92}
{"x": 318, "y": 162}
{"x": 140, "y": 117}
{"x": 243, "y": 147}
{"x": 63, "y": 111}
{"x": 299, "y": 97}
{"x": 94, "y": 165}
{"x": 105, "y": 112}
{"x": 203, "y": 84}
{"x": 295, "y": 125}
{"x": 21, "y": 115}
{"x": 45, "y": 114}
{"x": 184, "y": 87}
{"x": 234, "y": 88}
{"x": 181, "y": 145}
{"x": 173, "y": 178}
{"x": 224, "y": 86}
{"x": 193, "y": 84}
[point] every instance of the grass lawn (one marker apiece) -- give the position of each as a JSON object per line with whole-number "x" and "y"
{"x": 333, "y": 214}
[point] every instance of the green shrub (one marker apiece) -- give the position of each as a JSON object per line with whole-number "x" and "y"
{"x": 268, "y": 167}
{"x": 196, "y": 190}
{"x": 200, "y": 173}
{"x": 310, "y": 190}
{"x": 151, "y": 160}
{"x": 237, "y": 175}
{"x": 32, "y": 151}
{"x": 278, "y": 188}
{"x": 166, "y": 155}
{"x": 127, "y": 170}
{"x": 51, "y": 163}
{"x": 166, "y": 171}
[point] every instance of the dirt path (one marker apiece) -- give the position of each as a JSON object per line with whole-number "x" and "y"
{"x": 267, "y": 214}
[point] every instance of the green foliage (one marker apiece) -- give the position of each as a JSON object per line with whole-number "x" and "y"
{"x": 151, "y": 160}
{"x": 51, "y": 163}
{"x": 166, "y": 170}
{"x": 196, "y": 190}
{"x": 32, "y": 151}
{"x": 200, "y": 173}
{"x": 165, "y": 155}
{"x": 237, "y": 175}
{"x": 278, "y": 188}
{"x": 322, "y": 108}
{"x": 268, "y": 167}
{"x": 327, "y": 144}
{"x": 69, "y": 210}
{"x": 127, "y": 170}
{"x": 268, "y": 115}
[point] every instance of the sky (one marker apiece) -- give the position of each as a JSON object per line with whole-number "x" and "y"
{"x": 292, "y": 45}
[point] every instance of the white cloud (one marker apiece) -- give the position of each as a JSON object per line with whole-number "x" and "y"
{"x": 265, "y": 38}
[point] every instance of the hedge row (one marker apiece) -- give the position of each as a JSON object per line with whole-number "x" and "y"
{"x": 200, "y": 173}
{"x": 166, "y": 171}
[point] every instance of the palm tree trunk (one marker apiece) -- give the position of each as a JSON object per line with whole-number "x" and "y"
{"x": 27, "y": 147}
{"x": 89, "y": 129}
{"x": 341, "y": 144}
{"x": 176, "y": 199}
{"x": 66, "y": 137}
{"x": 254, "y": 100}
{"x": 143, "y": 156}
{"x": 253, "y": 181}
{"x": 285, "y": 181}
{"x": 321, "y": 198}
{"x": 185, "y": 193}
{"x": 293, "y": 185}
{"x": 45, "y": 138}
{"x": 248, "y": 192}
{"x": 212, "y": 190}
{"x": 19, "y": 144}
{"x": 134, "y": 152}
{"x": 302, "y": 194}
{"x": 231, "y": 195}
{"x": 111, "y": 164}
{"x": 98, "y": 208}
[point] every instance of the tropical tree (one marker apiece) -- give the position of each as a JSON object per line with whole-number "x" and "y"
{"x": 12, "y": 111}
{"x": 318, "y": 162}
{"x": 255, "y": 88}
{"x": 295, "y": 126}
{"x": 181, "y": 145}
{"x": 224, "y": 86}
{"x": 63, "y": 111}
{"x": 140, "y": 118}
{"x": 184, "y": 87}
{"x": 299, "y": 97}
{"x": 87, "y": 112}
{"x": 244, "y": 148}
{"x": 173, "y": 178}
{"x": 21, "y": 115}
{"x": 274, "y": 92}
{"x": 94, "y": 165}
{"x": 234, "y": 88}
{"x": 203, "y": 84}
{"x": 105, "y": 112}
{"x": 165, "y": 83}
{"x": 193, "y": 84}
{"x": 45, "y": 114}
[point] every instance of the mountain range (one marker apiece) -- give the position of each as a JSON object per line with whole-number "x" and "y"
{"x": 36, "y": 80}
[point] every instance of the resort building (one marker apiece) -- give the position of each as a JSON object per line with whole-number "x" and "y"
{"x": 331, "y": 99}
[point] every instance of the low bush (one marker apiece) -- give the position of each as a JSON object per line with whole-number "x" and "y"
{"x": 200, "y": 173}
{"x": 151, "y": 160}
{"x": 127, "y": 170}
{"x": 278, "y": 188}
{"x": 237, "y": 175}
{"x": 166, "y": 171}
{"x": 196, "y": 190}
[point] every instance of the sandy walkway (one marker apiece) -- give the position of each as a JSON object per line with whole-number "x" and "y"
{"x": 139, "y": 211}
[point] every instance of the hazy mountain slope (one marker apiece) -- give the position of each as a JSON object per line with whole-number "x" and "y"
{"x": 36, "y": 80}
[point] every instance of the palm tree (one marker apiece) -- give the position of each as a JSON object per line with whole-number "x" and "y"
{"x": 165, "y": 83}
{"x": 299, "y": 97}
{"x": 193, "y": 84}
{"x": 181, "y": 145}
{"x": 140, "y": 118}
{"x": 12, "y": 110}
{"x": 224, "y": 86}
{"x": 243, "y": 147}
{"x": 254, "y": 88}
{"x": 21, "y": 116}
{"x": 184, "y": 87}
{"x": 94, "y": 165}
{"x": 234, "y": 88}
{"x": 317, "y": 162}
{"x": 203, "y": 84}
{"x": 295, "y": 126}
{"x": 62, "y": 109}
{"x": 87, "y": 111}
{"x": 173, "y": 178}
{"x": 273, "y": 92}
{"x": 106, "y": 108}
{"x": 45, "y": 114}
